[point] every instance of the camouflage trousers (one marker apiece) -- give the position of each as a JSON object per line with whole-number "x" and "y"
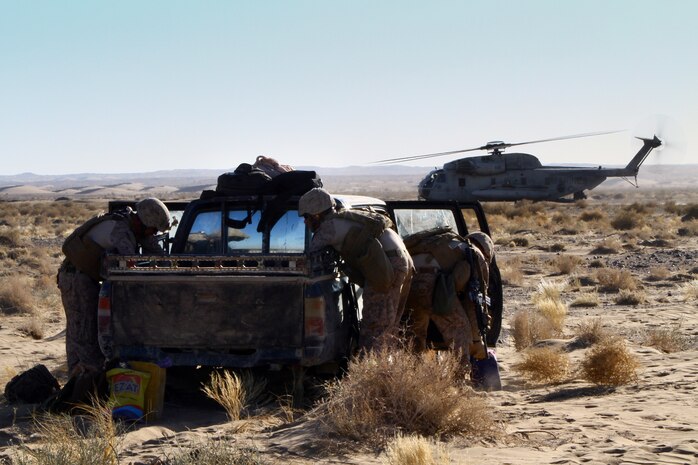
{"x": 382, "y": 311}
{"x": 80, "y": 296}
{"x": 454, "y": 326}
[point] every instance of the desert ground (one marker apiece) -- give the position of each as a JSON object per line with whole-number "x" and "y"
{"x": 621, "y": 266}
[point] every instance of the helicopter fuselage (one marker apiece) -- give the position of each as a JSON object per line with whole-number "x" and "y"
{"x": 519, "y": 176}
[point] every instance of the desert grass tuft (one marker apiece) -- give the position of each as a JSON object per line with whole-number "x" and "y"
{"x": 415, "y": 450}
{"x": 33, "y": 328}
{"x": 610, "y": 363}
{"x": 544, "y": 365}
{"x": 393, "y": 390}
{"x": 234, "y": 392}
{"x": 668, "y": 340}
{"x": 92, "y": 438}
{"x": 529, "y": 327}
{"x": 626, "y": 220}
{"x": 510, "y": 270}
{"x": 566, "y": 264}
{"x": 630, "y": 297}
{"x": 613, "y": 280}
{"x": 607, "y": 246}
{"x": 690, "y": 291}
{"x": 658, "y": 273}
{"x": 586, "y": 299}
{"x": 548, "y": 303}
{"x": 590, "y": 332}
{"x": 211, "y": 452}
{"x": 16, "y": 296}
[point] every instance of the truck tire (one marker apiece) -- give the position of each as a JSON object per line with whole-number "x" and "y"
{"x": 496, "y": 309}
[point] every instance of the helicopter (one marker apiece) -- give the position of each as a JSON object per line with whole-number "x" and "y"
{"x": 501, "y": 176}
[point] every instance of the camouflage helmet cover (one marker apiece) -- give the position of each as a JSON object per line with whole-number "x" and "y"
{"x": 153, "y": 214}
{"x": 314, "y": 202}
{"x": 483, "y": 242}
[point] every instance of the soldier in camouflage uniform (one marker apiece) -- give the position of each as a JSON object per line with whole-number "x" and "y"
{"x": 442, "y": 251}
{"x": 374, "y": 252}
{"x": 79, "y": 275}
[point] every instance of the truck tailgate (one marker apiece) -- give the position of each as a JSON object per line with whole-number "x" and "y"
{"x": 228, "y": 312}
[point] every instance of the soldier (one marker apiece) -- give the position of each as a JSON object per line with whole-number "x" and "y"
{"x": 79, "y": 275}
{"x": 445, "y": 263}
{"x": 376, "y": 257}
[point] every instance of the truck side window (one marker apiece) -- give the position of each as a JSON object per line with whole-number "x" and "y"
{"x": 205, "y": 234}
{"x": 242, "y": 232}
{"x": 410, "y": 221}
{"x": 288, "y": 234}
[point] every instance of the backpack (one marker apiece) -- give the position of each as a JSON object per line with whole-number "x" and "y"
{"x": 245, "y": 180}
{"x": 32, "y": 386}
{"x": 84, "y": 253}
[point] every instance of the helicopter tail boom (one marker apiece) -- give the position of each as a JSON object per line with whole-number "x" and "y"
{"x": 648, "y": 144}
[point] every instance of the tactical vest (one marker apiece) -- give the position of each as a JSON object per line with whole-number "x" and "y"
{"x": 84, "y": 253}
{"x": 436, "y": 242}
{"x": 362, "y": 250}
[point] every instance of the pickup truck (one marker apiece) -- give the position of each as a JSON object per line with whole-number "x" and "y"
{"x": 236, "y": 288}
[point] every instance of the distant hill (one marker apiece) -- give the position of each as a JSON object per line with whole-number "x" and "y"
{"x": 384, "y": 180}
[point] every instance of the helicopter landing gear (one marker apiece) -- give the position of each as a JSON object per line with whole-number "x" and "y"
{"x": 580, "y": 195}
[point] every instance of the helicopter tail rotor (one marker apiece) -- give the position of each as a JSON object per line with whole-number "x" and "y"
{"x": 668, "y": 131}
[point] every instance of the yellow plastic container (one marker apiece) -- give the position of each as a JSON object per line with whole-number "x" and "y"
{"x": 155, "y": 391}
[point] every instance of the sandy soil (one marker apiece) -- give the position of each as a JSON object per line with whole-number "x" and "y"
{"x": 652, "y": 421}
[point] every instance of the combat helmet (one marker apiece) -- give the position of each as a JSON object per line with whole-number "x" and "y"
{"x": 153, "y": 214}
{"x": 314, "y": 202}
{"x": 483, "y": 242}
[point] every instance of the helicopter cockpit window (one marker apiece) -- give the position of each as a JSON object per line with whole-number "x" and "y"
{"x": 410, "y": 221}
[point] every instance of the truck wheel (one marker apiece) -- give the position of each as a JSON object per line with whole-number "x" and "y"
{"x": 496, "y": 308}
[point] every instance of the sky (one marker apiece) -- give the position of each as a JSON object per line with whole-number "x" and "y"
{"x": 144, "y": 85}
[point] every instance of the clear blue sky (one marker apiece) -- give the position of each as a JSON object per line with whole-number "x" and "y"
{"x": 132, "y": 86}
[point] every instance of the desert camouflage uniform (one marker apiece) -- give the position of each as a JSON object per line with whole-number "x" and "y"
{"x": 80, "y": 293}
{"x": 458, "y": 326}
{"x": 382, "y": 311}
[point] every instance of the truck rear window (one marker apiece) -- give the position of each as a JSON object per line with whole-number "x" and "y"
{"x": 239, "y": 235}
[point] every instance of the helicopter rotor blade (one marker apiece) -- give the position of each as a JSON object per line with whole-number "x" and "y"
{"x": 574, "y": 136}
{"x": 419, "y": 157}
{"x": 488, "y": 147}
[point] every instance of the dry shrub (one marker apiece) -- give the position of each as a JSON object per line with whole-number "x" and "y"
{"x": 586, "y": 299}
{"x": 566, "y": 264}
{"x": 89, "y": 439}
{"x": 211, "y": 452}
{"x": 590, "y": 332}
{"x": 15, "y": 295}
{"x": 529, "y": 327}
{"x": 415, "y": 450}
{"x": 610, "y": 363}
{"x": 630, "y": 297}
{"x": 607, "y": 246}
{"x": 554, "y": 311}
{"x": 690, "y": 229}
{"x": 394, "y": 390}
{"x": 626, "y": 220}
{"x": 690, "y": 291}
{"x": 549, "y": 304}
{"x": 544, "y": 365}
{"x": 10, "y": 238}
{"x": 33, "y": 328}
{"x": 613, "y": 280}
{"x": 592, "y": 215}
{"x": 546, "y": 290}
{"x": 510, "y": 270}
{"x": 667, "y": 340}
{"x": 234, "y": 392}
{"x": 690, "y": 212}
{"x": 658, "y": 273}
